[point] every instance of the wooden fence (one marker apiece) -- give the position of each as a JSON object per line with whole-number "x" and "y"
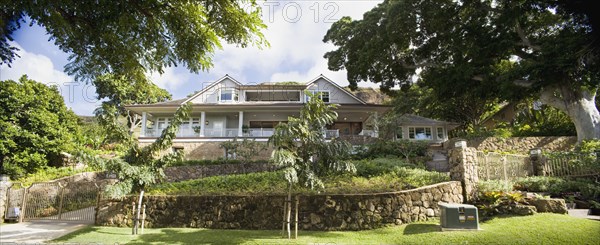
{"x": 571, "y": 165}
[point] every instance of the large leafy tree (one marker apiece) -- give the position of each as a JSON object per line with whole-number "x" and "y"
{"x": 505, "y": 49}
{"x": 119, "y": 91}
{"x": 134, "y": 37}
{"x": 35, "y": 127}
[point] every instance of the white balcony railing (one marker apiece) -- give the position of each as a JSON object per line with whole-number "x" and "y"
{"x": 230, "y": 132}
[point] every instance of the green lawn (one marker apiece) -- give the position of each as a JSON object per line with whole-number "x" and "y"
{"x": 536, "y": 229}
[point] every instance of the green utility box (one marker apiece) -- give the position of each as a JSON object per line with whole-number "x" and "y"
{"x": 458, "y": 216}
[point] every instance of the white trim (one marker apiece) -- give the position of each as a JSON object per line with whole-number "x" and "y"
{"x": 210, "y": 86}
{"x": 314, "y": 91}
{"x": 415, "y": 127}
{"x": 192, "y": 140}
{"x": 311, "y": 82}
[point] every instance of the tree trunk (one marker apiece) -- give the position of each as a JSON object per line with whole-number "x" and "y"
{"x": 137, "y": 215}
{"x": 579, "y": 104}
{"x": 289, "y": 212}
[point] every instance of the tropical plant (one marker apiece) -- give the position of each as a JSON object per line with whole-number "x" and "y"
{"x": 302, "y": 151}
{"x": 139, "y": 167}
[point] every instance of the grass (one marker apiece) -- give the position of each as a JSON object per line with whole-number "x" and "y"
{"x": 274, "y": 183}
{"x": 537, "y": 229}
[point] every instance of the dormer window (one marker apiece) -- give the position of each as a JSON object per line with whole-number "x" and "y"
{"x": 323, "y": 95}
{"x": 227, "y": 95}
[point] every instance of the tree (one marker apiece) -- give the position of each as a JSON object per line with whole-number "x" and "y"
{"x": 36, "y": 127}
{"x": 303, "y": 152}
{"x": 119, "y": 90}
{"x": 134, "y": 37}
{"x": 139, "y": 167}
{"x": 507, "y": 49}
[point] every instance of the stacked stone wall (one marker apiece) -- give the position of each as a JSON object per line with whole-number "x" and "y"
{"x": 520, "y": 144}
{"x": 211, "y": 150}
{"x": 180, "y": 173}
{"x": 316, "y": 212}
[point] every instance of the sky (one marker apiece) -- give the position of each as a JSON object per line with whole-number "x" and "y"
{"x": 295, "y": 30}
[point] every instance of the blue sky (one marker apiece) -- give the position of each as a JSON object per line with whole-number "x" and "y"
{"x": 295, "y": 30}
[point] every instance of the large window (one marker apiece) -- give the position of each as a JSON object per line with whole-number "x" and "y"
{"x": 227, "y": 95}
{"x": 419, "y": 133}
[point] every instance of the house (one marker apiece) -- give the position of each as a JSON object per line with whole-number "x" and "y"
{"x": 227, "y": 109}
{"x": 413, "y": 127}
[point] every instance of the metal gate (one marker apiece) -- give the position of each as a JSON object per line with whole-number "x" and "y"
{"x": 54, "y": 201}
{"x": 497, "y": 166}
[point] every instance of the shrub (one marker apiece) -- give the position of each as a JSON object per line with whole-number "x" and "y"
{"x": 538, "y": 183}
{"x": 378, "y": 166}
{"x": 242, "y": 184}
{"x": 587, "y": 189}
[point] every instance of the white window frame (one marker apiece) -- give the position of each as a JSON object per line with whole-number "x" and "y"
{"x": 165, "y": 122}
{"x": 438, "y": 131}
{"x": 233, "y": 95}
{"x": 314, "y": 91}
{"x": 413, "y": 130}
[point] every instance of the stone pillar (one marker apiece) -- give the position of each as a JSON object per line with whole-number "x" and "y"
{"x": 4, "y": 184}
{"x": 537, "y": 161}
{"x": 463, "y": 168}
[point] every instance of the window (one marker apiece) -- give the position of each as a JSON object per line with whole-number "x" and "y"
{"x": 419, "y": 133}
{"x": 162, "y": 123}
{"x": 227, "y": 95}
{"x": 324, "y": 95}
{"x": 399, "y": 133}
{"x": 440, "y": 133}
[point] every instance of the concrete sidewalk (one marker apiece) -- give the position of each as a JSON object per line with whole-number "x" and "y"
{"x": 582, "y": 213}
{"x": 38, "y": 231}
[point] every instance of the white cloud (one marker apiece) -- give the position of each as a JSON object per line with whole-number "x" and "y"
{"x": 171, "y": 79}
{"x": 37, "y": 67}
{"x": 296, "y": 48}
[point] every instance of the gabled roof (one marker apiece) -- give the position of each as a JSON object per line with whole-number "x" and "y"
{"x": 337, "y": 86}
{"x": 210, "y": 86}
{"x": 419, "y": 120}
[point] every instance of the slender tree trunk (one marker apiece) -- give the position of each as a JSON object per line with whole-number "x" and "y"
{"x": 137, "y": 215}
{"x": 289, "y": 212}
{"x": 579, "y": 104}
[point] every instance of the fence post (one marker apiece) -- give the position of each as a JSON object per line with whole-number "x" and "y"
{"x": 4, "y": 186}
{"x": 463, "y": 168}
{"x": 535, "y": 155}
{"x": 60, "y": 202}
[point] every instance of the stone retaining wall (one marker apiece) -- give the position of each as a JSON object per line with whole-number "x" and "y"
{"x": 180, "y": 173}
{"x": 210, "y": 150}
{"x": 316, "y": 212}
{"x": 520, "y": 144}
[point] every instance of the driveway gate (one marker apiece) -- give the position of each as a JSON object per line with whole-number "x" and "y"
{"x": 54, "y": 201}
